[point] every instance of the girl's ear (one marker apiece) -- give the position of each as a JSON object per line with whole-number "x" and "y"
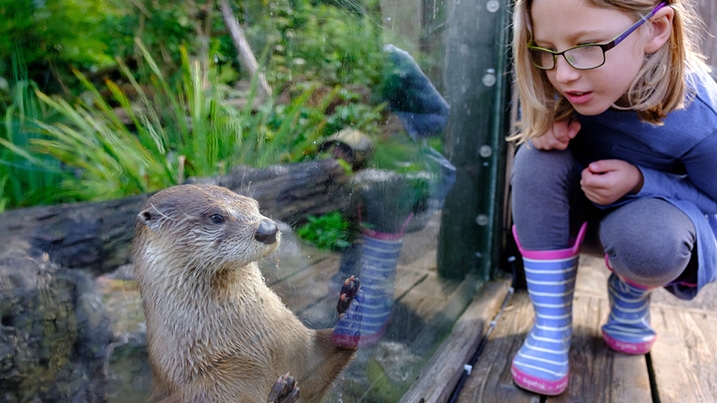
{"x": 661, "y": 29}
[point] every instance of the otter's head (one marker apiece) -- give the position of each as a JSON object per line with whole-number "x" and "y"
{"x": 203, "y": 226}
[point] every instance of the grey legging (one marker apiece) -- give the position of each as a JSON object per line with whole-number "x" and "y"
{"x": 648, "y": 241}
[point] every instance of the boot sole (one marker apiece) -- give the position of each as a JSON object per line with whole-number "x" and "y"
{"x": 539, "y": 385}
{"x": 627, "y": 347}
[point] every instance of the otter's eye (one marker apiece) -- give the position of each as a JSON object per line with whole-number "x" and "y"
{"x": 217, "y": 218}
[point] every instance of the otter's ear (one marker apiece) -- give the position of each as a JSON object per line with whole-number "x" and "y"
{"x": 148, "y": 217}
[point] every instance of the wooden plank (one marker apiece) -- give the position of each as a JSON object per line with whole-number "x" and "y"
{"x": 430, "y": 315}
{"x": 597, "y": 374}
{"x": 422, "y": 317}
{"x": 419, "y": 306}
{"x": 490, "y": 381}
{"x": 288, "y": 261}
{"x": 683, "y": 358}
{"x": 319, "y": 310}
{"x": 592, "y": 277}
{"x": 301, "y": 285}
{"x": 301, "y": 274}
{"x": 442, "y": 372}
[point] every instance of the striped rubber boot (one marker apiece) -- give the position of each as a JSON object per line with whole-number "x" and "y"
{"x": 541, "y": 365}
{"x": 379, "y": 256}
{"x": 628, "y": 327}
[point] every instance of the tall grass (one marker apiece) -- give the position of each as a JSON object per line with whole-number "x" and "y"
{"x": 175, "y": 130}
{"x": 169, "y": 130}
{"x": 26, "y": 179}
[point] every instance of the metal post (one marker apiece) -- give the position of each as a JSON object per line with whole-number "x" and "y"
{"x": 478, "y": 85}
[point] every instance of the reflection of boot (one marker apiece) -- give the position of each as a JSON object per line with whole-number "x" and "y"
{"x": 541, "y": 364}
{"x": 365, "y": 325}
{"x": 628, "y": 327}
{"x": 349, "y": 265}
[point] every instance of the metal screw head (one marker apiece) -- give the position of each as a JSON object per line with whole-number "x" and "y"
{"x": 482, "y": 220}
{"x": 489, "y": 80}
{"x": 485, "y": 151}
{"x": 492, "y": 6}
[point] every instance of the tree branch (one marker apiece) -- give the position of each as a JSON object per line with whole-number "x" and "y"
{"x": 246, "y": 56}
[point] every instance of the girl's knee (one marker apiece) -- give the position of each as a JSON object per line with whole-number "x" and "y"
{"x": 650, "y": 242}
{"x": 542, "y": 168}
{"x": 651, "y": 267}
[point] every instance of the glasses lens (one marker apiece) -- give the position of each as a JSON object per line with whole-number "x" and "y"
{"x": 585, "y": 57}
{"x": 541, "y": 59}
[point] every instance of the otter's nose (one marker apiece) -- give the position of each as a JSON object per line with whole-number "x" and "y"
{"x": 266, "y": 233}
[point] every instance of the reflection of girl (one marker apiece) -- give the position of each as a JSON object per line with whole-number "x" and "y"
{"x": 619, "y": 125}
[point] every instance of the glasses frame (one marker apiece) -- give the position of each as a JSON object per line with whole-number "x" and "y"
{"x": 604, "y": 47}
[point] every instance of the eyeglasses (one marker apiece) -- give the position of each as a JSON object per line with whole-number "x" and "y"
{"x": 584, "y": 57}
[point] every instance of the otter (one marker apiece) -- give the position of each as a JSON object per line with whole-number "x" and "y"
{"x": 215, "y": 331}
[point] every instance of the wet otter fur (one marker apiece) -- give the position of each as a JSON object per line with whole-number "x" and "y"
{"x": 215, "y": 331}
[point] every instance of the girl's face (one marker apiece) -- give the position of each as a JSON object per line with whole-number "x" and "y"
{"x": 562, "y": 24}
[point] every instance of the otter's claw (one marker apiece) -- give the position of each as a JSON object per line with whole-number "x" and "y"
{"x": 285, "y": 390}
{"x": 348, "y": 292}
{"x": 347, "y": 332}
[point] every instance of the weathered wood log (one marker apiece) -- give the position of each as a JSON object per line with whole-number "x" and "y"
{"x": 290, "y": 193}
{"x": 97, "y": 235}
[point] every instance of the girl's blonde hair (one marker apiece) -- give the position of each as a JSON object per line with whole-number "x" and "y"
{"x": 659, "y": 88}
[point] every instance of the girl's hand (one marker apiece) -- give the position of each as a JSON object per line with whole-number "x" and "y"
{"x": 558, "y": 137}
{"x": 606, "y": 181}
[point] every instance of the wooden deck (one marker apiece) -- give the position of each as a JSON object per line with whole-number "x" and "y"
{"x": 680, "y": 368}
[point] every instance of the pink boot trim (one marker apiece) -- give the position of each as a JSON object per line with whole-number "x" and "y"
{"x": 351, "y": 341}
{"x": 539, "y": 385}
{"x": 566, "y": 253}
{"x": 632, "y": 283}
{"x": 628, "y": 348}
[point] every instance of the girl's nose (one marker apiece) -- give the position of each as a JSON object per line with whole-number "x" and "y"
{"x": 564, "y": 72}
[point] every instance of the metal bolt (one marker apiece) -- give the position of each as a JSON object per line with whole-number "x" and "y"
{"x": 493, "y": 6}
{"x": 489, "y": 78}
{"x": 485, "y": 151}
{"x": 482, "y": 220}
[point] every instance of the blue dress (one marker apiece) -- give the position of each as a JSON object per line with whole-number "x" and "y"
{"x": 678, "y": 161}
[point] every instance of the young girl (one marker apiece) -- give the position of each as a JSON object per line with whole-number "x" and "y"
{"x": 619, "y": 149}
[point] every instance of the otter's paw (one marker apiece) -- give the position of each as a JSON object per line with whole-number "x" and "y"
{"x": 347, "y": 332}
{"x": 285, "y": 390}
{"x": 347, "y": 294}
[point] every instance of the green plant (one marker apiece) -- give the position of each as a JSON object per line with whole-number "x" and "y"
{"x": 170, "y": 130}
{"x": 359, "y": 116}
{"x": 171, "y": 135}
{"x": 329, "y": 231}
{"x": 284, "y": 133}
{"x": 334, "y": 44}
{"x": 54, "y": 34}
{"x": 156, "y": 123}
{"x": 3, "y": 200}
{"x": 26, "y": 179}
